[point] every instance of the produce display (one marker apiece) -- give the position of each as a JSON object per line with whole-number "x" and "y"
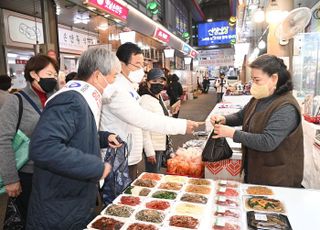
{"x": 151, "y": 176}
{"x": 106, "y": 223}
{"x": 150, "y": 215}
{"x": 259, "y": 190}
{"x": 184, "y": 221}
{"x": 194, "y": 198}
{"x": 156, "y": 201}
{"x": 119, "y": 210}
{"x": 164, "y": 195}
{"x": 145, "y": 183}
{"x": 158, "y": 204}
{"x": 267, "y": 221}
{"x": 262, "y": 203}
{"x": 139, "y": 226}
{"x": 170, "y": 186}
{"x": 137, "y": 191}
{"x": 130, "y": 200}
{"x": 198, "y": 189}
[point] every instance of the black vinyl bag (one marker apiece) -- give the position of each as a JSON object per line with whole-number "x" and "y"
{"x": 167, "y": 153}
{"x": 13, "y": 219}
{"x": 216, "y": 149}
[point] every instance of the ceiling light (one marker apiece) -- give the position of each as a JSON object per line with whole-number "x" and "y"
{"x": 91, "y": 8}
{"x": 187, "y": 60}
{"x": 103, "y": 26}
{"x": 209, "y": 20}
{"x": 274, "y": 13}
{"x": 258, "y": 16}
{"x": 81, "y": 18}
{"x": 262, "y": 45}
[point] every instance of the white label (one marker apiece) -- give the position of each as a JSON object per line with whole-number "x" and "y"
{"x": 223, "y": 182}
{"x": 220, "y": 222}
{"x": 222, "y": 198}
{"x": 261, "y": 217}
{"x": 222, "y": 189}
{"x": 221, "y": 209}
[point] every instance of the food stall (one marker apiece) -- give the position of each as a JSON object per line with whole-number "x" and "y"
{"x": 157, "y": 201}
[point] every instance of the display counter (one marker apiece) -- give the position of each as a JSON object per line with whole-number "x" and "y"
{"x": 157, "y": 201}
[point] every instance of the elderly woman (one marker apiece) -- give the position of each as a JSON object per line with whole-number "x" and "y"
{"x": 65, "y": 147}
{"x": 272, "y": 137}
{"x": 41, "y": 76}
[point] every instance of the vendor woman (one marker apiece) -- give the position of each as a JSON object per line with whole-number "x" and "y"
{"x": 271, "y": 136}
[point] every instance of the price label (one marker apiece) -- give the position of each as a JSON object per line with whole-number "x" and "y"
{"x": 222, "y": 189}
{"x": 221, "y": 209}
{"x": 223, "y": 182}
{"x": 222, "y": 198}
{"x": 261, "y": 217}
{"x": 220, "y": 222}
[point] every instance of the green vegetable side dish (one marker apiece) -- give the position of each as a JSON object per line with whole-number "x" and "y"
{"x": 128, "y": 190}
{"x": 165, "y": 195}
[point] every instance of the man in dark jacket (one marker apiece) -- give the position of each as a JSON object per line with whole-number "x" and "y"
{"x": 65, "y": 147}
{"x": 174, "y": 91}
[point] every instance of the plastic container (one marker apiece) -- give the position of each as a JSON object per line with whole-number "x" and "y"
{"x": 227, "y": 212}
{"x": 137, "y": 191}
{"x": 125, "y": 199}
{"x": 123, "y": 211}
{"x": 225, "y": 224}
{"x": 227, "y": 201}
{"x": 120, "y": 223}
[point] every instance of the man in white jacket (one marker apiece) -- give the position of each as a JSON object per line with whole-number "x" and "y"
{"x": 122, "y": 113}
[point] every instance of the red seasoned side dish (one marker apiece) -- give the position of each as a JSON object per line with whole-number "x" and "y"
{"x": 158, "y": 204}
{"x": 227, "y": 213}
{"x": 138, "y": 226}
{"x": 184, "y": 221}
{"x": 106, "y": 223}
{"x": 130, "y": 200}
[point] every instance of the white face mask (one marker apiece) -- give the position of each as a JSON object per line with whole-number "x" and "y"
{"x": 108, "y": 91}
{"x": 136, "y": 75}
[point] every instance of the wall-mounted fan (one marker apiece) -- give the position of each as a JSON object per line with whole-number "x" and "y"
{"x": 292, "y": 24}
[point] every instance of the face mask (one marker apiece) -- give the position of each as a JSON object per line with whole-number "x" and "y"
{"x": 47, "y": 84}
{"x": 156, "y": 88}
{"x": 259, "y": 91}
{"x": 108, "y": 90}
{"x": 136, "y": 75}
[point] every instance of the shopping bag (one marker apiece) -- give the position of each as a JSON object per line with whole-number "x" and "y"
{"x": 216, "y": 149}
{"x": 167, "y": 153}
{"x": 13, "y": 219}
{"x": 118, "y": 179}
{"x": 20, "y": 146}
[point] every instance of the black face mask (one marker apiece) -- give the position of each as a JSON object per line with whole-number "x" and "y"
{"x": 47, "y": 84}
{"x": 156, "y": 88}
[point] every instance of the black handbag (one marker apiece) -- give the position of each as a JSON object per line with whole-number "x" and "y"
{"x": 13, "y": 218}
{"x": 216, "y": 149}
{"x": 167, "y": 153}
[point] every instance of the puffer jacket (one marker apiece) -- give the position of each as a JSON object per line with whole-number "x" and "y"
{"x": 152, "y": 141}
{"x": 122, "y": 114}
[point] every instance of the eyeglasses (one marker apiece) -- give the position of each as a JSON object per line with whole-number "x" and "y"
{"x": 139, "y": 67}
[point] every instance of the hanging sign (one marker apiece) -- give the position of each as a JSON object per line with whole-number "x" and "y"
{"x": 111, "y": 7}
{"x": 21, "y": 61}
{"x": 186, "y": 49}
{"x": 193, "y": 53}
{"x": 162, "y": 35}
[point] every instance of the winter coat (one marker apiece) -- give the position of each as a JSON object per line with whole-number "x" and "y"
{"x": 152, "y": 141}
{"x": 174, "y": 91}
{"x": 123, "y": 115}
{"x": 67, "y": 165}
{"x": 9, "y": 115}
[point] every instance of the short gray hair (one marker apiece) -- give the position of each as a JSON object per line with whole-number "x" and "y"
{"x": 97, "y": 58}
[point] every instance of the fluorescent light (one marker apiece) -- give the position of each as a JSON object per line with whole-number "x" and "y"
{"x": 209, "y": 20}
{"x": 262, "y": 45}
{"x": 127, "y": 37}
{"x": 12, "y": 55}
{"x": 168, "y": 53}
{"x": 187, "y": 60}
{"x": 103, "y": 26}
{"x": 258, "y": 16}
{"x": 91, "y": 8}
